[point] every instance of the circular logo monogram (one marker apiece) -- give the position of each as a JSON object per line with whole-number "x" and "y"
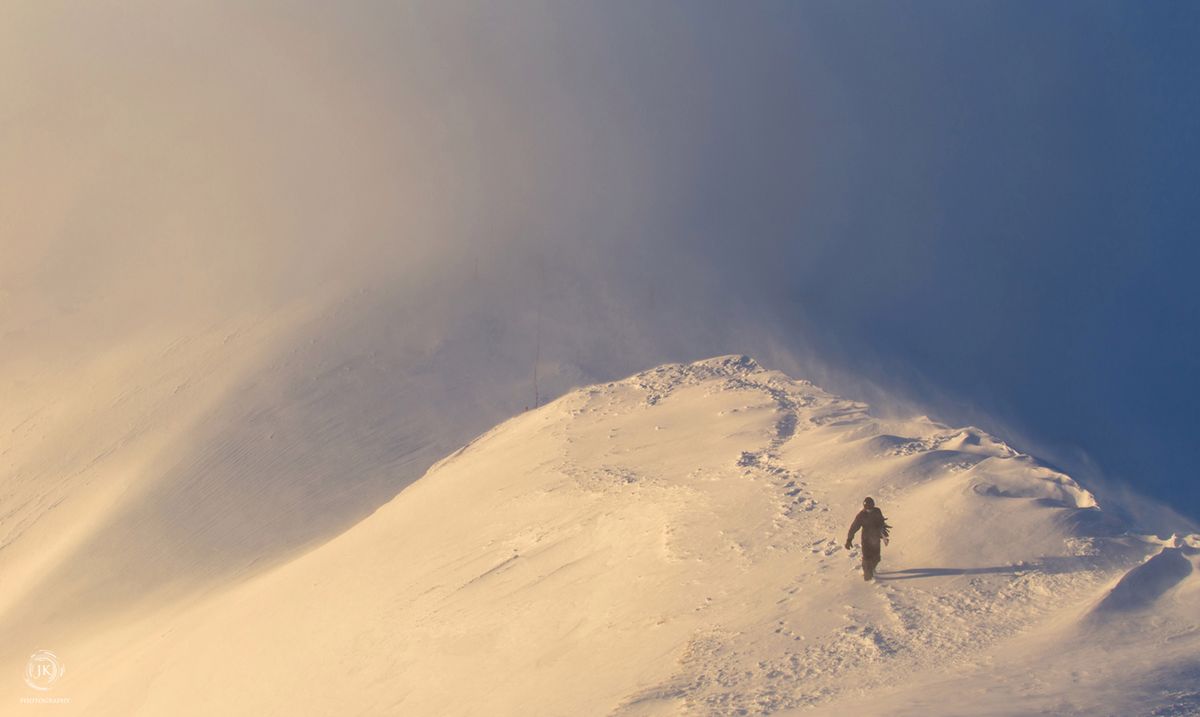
{"x": 43, "y": 670}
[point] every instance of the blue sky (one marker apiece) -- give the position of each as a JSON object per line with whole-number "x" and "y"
{"x": 988, "y": 206}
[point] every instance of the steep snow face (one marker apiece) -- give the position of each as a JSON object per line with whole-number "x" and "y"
{"x": 672, "y": 544}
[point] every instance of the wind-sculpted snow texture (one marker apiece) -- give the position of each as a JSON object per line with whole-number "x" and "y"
{"x": 671, "y": 544}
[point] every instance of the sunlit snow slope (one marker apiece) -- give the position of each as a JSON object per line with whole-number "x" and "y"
{"x": 672, "y": 544}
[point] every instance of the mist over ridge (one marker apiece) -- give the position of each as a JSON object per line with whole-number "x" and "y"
{"x": 609, "y": 188}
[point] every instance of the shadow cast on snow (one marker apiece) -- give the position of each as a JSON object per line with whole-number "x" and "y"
{"x": 1066, "y": 564}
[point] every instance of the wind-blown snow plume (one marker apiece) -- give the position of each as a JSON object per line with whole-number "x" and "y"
{"x": 703, "y": 179}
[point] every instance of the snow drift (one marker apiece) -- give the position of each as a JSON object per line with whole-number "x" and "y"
{"x": 671, "y": 544}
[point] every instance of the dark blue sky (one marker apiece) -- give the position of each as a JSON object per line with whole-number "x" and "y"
{"x": 987, "y": 206}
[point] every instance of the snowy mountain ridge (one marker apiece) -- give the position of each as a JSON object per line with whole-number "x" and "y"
{"x": 671, "y": 544}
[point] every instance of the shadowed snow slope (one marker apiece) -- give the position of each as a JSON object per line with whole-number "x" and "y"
{"x": 672, "y": 544}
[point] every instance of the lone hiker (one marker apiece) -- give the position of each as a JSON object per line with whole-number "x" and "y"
{"x": 874, "y": 528}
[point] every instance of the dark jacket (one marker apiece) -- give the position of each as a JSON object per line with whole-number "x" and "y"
{"x": 874, "y": 527}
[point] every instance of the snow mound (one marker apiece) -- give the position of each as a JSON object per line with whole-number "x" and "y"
{"x": 670, "y": 543}
{"x": 1144, "y": 585}
{"x": 1020, "y": 476}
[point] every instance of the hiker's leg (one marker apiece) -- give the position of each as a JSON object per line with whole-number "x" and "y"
{"x": 869, "y": 566}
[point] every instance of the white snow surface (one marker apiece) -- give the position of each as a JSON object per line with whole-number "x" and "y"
{"x": 669, "y": 544}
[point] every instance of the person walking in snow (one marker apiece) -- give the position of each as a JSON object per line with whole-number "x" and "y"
{"x": 874, "y": 529}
